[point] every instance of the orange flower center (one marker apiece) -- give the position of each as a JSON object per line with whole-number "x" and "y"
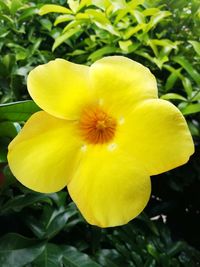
{"x": 97, "y": 127}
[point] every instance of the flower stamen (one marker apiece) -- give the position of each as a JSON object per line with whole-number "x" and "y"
{"x": 97, "y": 127}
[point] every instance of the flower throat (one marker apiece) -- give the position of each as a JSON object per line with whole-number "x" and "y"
{"x": 97, "y": 127}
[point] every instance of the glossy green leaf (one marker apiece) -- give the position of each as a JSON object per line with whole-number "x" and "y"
{"x": 156, "y": 18}
{"x": 191, "y": 109}
{"x": 133, "y": 30}
{"x": 139, "y": 16}
{"x": 3, "y": 158}
{"x": 63, "y": 18}
{"x": 165, "y": 42}
{"x": 187, "y": 85}
{"x": 52, "y": 221}
{"x": 67, "y": 256}
{"x": 150, "y": 11}
{"x": 125, "y": 45}
{"x": 17, "y": 111}
{"x": 72, "y": 25}
{"x": 62, "y": 38}
{"x": 195, "y": 96}
{"x": 188, "y": 67}
{"x": 17, "y": 251}
{"x": 4, "y": 6}
{"x": 171, "y": 80}
{"x": 46, "y": 23}
{"x": 50, "y": 257}
{"x": 194, "y": 128}
{"x": 134, "y": 3}
{"x": 19, "y": 202}
{"x": 9, "y": 129}
{"x": 56, "y": 224}
{"x": 84, "y": 3}
{"x": 100, "y": 19}
{"x": 74, "y": 5}
{"x": 8, "y": 19}
{"x": 82, "y": 16}
{"x": 9, "y": 61}
{"x": 73, "y": 258}
{"x": 15, "y": 5}
{"x": 102, "y": 52}
{"x": 170, "y": 96}
{"x": 196, "y": 46}
{"x": 28, "y": 12}
{"x": 54, "y": 8}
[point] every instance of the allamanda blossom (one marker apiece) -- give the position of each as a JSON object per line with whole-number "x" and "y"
{"x": 103, "y": 133}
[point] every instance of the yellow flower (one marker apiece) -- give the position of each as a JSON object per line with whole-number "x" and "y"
{"x": 102, "y": 133}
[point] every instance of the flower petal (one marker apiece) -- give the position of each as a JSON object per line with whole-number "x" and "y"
{"x": 109, "y": 188}
{"x": 121, "y": 82}
{"x": 44, "y": 153}
{"x": 156, "y": 133}
{"x": 61, "y": 88}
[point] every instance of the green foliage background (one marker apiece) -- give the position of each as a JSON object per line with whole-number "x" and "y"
{"x": 47, "y": 230}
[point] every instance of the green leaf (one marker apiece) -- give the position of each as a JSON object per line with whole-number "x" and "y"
{"x": 4, "y": 6}
{"x": 74, "y": 5}
{"x": 7, "y": 19}
{"x": 17, "y": 251}
{"x": 84, "y": 3}
{"x": 15, "y": 5}
{"x": 150, "y": 11}
{"x": 102, "y": 52}
{"x": 66, "y": 256}
{"x": 152, "y": 251}
{"x": 190, "y": 109}
{"x": 73, "y": 258}
{"x": 18, "y": 111}
{"x": 187, "y": 85}
{"x": 159, "y": 16}
{"x": 196, "y": 46}
{"x": 52, "y": 221}
{"x": 9, "y": 62}
{"x": 165, "y": 42}
{"x": 150, "y": 263}
{"x": 46, "y": 23}
{"x": 134, "y": 3}
{"x": 9, "y": 129}
{"x": 110, "y": 257}
{"x": 156, "y": 18}
{"x": 194, "y": 128}
{"x": 195, "y": 95}
{"x": 54, "y": 8}
{"x": 100, "y": 19}
{"x": 140, "y": 18}
{"x": 22, "y": 201}
{"x": 82, "y": 16}
{"x": 63, "y": 18}
{"x": 176, "y": 248}
{"x": 173, "y": 96}
{"x": 72, "y": 25}
{"x": 62, "y": 38}
{"x": 124, "y": 45}
{"x": 51, "y": 257}
{"x": 172, "y": 78}
{"x": 28, "y": 12}
{"x": 188, "y": 67}
{"x": 3, "y": 158}
{"x": 57, "y": 224}
{"x": 133, "y": 30}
